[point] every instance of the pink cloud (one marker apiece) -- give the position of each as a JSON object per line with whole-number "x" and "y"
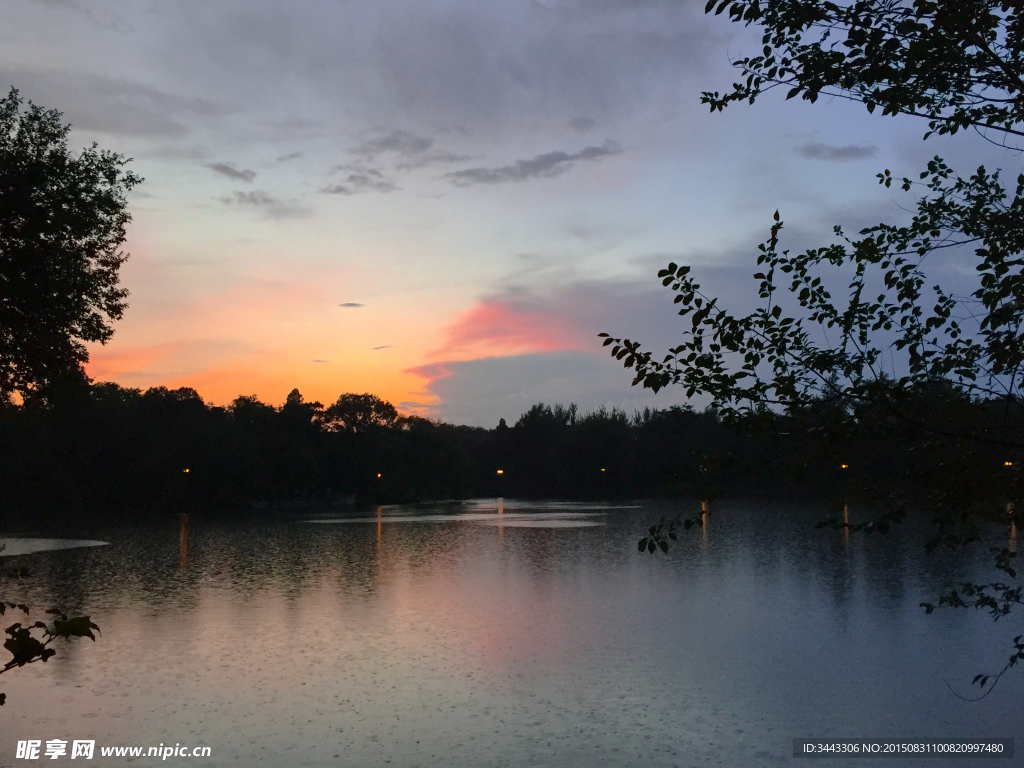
{"x": 498, "y": 327}
{"x": 431, "y": 372}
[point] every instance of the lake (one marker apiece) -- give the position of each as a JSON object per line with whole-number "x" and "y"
{"x": 502, "y": 633}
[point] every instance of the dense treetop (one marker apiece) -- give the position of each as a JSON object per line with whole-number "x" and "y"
{"x": 62, "y": 227}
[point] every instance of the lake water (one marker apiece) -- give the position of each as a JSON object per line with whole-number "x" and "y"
{"x": 503, "y": 634}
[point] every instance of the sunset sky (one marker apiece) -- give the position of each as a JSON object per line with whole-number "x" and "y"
{"x": 439, "y": 202}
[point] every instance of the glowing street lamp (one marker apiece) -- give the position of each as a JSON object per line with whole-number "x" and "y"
{"x": 844, "y": 466}
{"x": 1007, "y": 463}
{"x": 378, "y": 474}
{"x": 501, "y": 471}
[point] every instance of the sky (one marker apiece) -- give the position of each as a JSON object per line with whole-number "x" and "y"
{"x": 439, "y": 202}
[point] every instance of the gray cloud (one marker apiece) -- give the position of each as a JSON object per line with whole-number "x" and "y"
{"x": 817, "y": 151}
{"x": 287, "y": 158}
{"x": 587, "y": 9}
{"x": 462, "y": 68}
{"x": 321, "y": 361}
{"x": 386, "y": 346}
{"x": 364, "y": 180}
{"x": 350, "y": 305}
{"x": 106, "y": 105}
{"x": 410, "y": 150}
{"x": 270, "y": 206}
{"x": 435, "y": 157}
{"x": 229, "y": 170}
{"x": 539, "y": 167}
{"x": 399, "y": 142}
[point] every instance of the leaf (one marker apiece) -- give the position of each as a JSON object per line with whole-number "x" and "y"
{"x": 79, "y": 626}
{"x": 24, "y": 647}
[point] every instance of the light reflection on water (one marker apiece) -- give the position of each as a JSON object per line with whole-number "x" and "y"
{"x": 457, "y": 639}
{"x": 538, "y": 520}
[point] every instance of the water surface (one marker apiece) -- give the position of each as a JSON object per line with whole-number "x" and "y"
{"x": 504, "y": 634}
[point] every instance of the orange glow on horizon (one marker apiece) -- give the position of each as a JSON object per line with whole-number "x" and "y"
{"x": 269, "y": 379}
{"x": 266, "y": 335}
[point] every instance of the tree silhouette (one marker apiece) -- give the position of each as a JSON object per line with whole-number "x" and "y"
{"x": 62, "y": 226}
{"x": 358, "y": 413}
{"x": 900, "y": 360}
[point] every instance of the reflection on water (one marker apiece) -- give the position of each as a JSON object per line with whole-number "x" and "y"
{"x": 487, "y": 512}
{"x": 183, "y": 541}
{"x": 537, "y": 520}
{"x": 484, "y": 635}
{"x": 523, "y": 521}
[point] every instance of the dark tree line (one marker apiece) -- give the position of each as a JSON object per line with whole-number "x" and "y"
{"x": 101, "y": 450}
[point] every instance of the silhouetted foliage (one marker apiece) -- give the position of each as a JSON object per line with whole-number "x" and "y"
{"x": 934, "y": 377}
{"x": 955, "y": 62}
{"x": 28, "y": 644}
{"x": 62, "y": 226}
{"x": 358, "y": 413}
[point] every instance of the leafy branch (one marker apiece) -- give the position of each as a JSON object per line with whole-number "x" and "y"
{"x": 30, "y": 643}
{"x": 771, "y": 358}
{"x": 956, "y": 64}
